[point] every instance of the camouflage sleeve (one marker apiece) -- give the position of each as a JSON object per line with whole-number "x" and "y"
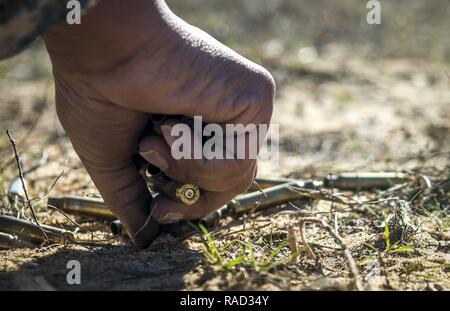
{"x": 21, "y": 21}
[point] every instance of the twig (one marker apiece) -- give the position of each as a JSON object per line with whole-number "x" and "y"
{"x": 230, "y": 232}
{"x": 40, "y": 112}
{"x": 348, "y": 256}
{"x": 332, "y": 208}
{"x": 42, "y": 161}
{"x": 57, "y": 178}
{"x": 93, "y": 235}
{"x": 22, "y": 180}
{"x": 258, "y": 203}
{"x": 318, "y": 195}
{"x": 292, "y": 244}
{"x": 308, "y": 247}
{"x": 65, "y": 214}
{"x": 299, "y": 211}
{"x": 321, "y": 195}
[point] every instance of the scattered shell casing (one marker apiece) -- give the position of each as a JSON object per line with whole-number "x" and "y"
{"x": 241, "y": 204}
{"x": 27, "y": 231}
{"x": 9, "y": 241}
{"x": 365, "y": 180}
{"x": 117, "y": 228}
{"x": 270, "y": 197}
{"x": 343, "y": 181}
{"x": 187, "y": 194}
{"x": 82, "y": 206}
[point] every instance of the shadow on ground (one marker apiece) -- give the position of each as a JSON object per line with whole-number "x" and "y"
{"x": 103, "y": 268}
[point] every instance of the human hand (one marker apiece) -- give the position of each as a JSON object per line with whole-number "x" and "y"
{"x": 111, "y": 76}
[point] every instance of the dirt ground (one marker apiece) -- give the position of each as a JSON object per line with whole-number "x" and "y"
{"x": 335, "y": 114}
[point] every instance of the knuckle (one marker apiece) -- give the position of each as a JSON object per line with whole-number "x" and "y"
{"x": 256, "y": 104}
{"x": 266, "y": 85}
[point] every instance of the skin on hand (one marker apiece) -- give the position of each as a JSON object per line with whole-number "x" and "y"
{"x": 127, "y": 60}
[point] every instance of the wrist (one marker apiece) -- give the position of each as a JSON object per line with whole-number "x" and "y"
{"x": 105, "y": 38}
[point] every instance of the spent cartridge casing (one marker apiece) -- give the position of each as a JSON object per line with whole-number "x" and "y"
{"x": 343, "y": 181}
{"x": 272, "y": 196}
{"x": 187, "y": 194}
{"x": 117, "y": 228}
{"x": 365, "y": 180}
{"x": 82, "y": 206}
{"x": 30, "y": 232}
{"x": 9, "y": 241}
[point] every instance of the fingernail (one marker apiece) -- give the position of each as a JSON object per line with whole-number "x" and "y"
{"x": 170, "y": 217}
{"x": 155, "y": 158}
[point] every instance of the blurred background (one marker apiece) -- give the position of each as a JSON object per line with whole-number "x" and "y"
{"x": 274, "y": 28}
{"x": 347, "y": 91}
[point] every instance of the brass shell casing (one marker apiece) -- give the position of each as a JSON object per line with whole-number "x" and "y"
{"x": 82, "y": 206}
{"x": 30, "y": 232}
{"x": 187, "y": 194}
{"x": 9, "y": 241}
